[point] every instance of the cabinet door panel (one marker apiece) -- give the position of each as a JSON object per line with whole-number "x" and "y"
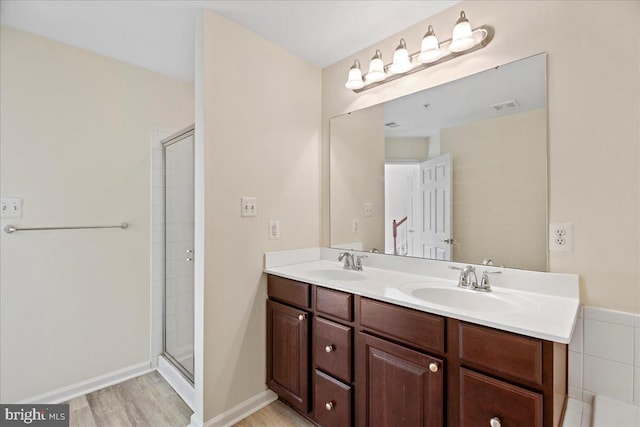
{"x": 288, "y": 354}
{"x": 483, "y": 398}
{"x": 396, "y": 386}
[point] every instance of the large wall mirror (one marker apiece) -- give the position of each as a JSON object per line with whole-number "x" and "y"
{"x": 457, "y": 172}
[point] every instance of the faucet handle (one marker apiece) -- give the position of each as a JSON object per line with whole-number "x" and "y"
{"x": 453, "y": 267}
{"x": 359, "y": 261}
{"x": 484, "y": 282}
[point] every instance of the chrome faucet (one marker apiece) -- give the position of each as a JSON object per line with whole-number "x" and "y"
{"x": 351, "y": 262}
{"x": 469, "y": 280}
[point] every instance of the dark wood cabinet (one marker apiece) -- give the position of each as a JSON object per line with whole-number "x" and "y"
{"x": 341, "y": 360}
{"x": 333, "y": 401}
{"x": 288, "y": 354}
{"x": 398, "y": 386}
{"x": 483, "y": 399}
{"x": 333, "y": 349}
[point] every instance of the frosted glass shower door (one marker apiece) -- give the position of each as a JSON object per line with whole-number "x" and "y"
{"x": 178, "y": 249}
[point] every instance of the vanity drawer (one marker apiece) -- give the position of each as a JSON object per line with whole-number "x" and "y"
{"x": 503, "y": 352}
{"x": 332, "y": 401}
{"x": 333, "y": 348}
{"x": 289, "y": 291}
{"x": 483, "y": 398}
{"x": 422, "y": 330}
{"x": 334, "y": 303}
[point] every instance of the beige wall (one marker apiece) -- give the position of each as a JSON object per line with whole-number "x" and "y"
{"x": 357, "y": 177}
{"x": 75, "y": 144}
{"x": 406, "y": 149}
{"x": 594, "y": 97}
{"x": 499, "y": 197}
{"x": 262, "y": 139}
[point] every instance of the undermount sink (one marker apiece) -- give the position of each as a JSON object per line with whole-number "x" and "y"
{"x": 341, "y": 275}
{"x": 467, "y": 300}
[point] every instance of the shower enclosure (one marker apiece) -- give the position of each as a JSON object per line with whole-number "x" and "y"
{"x": 178, "y": 316}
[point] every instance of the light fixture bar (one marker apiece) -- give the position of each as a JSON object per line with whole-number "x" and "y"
{"x": 446, "y": 56}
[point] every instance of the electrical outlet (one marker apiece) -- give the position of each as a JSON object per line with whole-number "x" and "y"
{"x": 11, "y": 207}
{"x": 368, "y": 209}
{"x": 249, "y": 206}
{"x": 274, "y": 230}
{"x": 356, "y": 225}
{"x": 561, "y": 236}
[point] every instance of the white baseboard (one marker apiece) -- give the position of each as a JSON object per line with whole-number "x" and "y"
{"x": 242, "y": 410}
{"x": 78, "y": 389}
{"x": 195, "y": 421}
{"x": 179, "y": 383}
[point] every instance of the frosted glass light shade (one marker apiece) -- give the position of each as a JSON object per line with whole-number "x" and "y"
{"x": 376, "y": 69}
{"x": 354, "y": 81}
{"x": 462, "y": 38}
{"x": 401, "y": 62}
{"x": 430, "y": 48}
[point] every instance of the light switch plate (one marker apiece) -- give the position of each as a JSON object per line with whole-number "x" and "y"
{"x": 356, "y": 225}
{"x": 274, "y": 230}
{"x": 249, "y": 206}
{"x": 11, "y": 207}
{"x": 368, "y": 209}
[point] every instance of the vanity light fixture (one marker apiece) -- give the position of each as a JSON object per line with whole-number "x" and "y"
{"x": 432, "y": 52}
{"x": 462, "y": 38}
{"x": 355, "y": 77}
{"x": 430, "y": 48}
{"x": 401, "y": 59}
{"x": 376, "y": 68}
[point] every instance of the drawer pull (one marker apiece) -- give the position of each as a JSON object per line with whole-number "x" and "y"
{"x": 302, "y": 317}
{"x": 495, "y": 422}
{"x": 329, "y": 348}
{"x": 329, "y": 405}
{"x": 433, "y": 367}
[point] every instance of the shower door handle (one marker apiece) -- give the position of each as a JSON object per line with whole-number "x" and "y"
{"x": 189, "y": 255}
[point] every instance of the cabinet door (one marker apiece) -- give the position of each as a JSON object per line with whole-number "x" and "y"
{"x": 288, "y": 354}
{"x": 397, "y": 386}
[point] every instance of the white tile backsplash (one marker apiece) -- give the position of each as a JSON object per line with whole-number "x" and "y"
{"x": 604, "y": 356}
{"x": 575, "y": 369}
{"x": 636, "y": 386}
{"x": 575, "y": 393}
{"x": 637, "y": 347}
{"x": 608, "y": 341}
{"x": 611, "y": 316}
{"x": 577, "y": 338}
{"x": 604, "y": 377}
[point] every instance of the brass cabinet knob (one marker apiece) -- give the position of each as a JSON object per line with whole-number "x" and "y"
{"x": 302, "y": 316}
{"x": 329, "y": 348}
{"x": 495, "y": 422}
{"x": 433, "y": 367}
{"x": 329, "y": 405}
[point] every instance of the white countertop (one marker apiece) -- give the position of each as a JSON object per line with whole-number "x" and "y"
{"x": 536, "y": 312}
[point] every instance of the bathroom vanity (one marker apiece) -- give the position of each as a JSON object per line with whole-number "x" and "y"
{"x": 359, "y": 348}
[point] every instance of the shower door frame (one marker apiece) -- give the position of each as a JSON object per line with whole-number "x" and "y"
{"x": 166, "y": 142}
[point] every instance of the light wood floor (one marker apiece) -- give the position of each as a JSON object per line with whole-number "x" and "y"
{"x": 147, "y": 400}
{"x": 275, "y": 415}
